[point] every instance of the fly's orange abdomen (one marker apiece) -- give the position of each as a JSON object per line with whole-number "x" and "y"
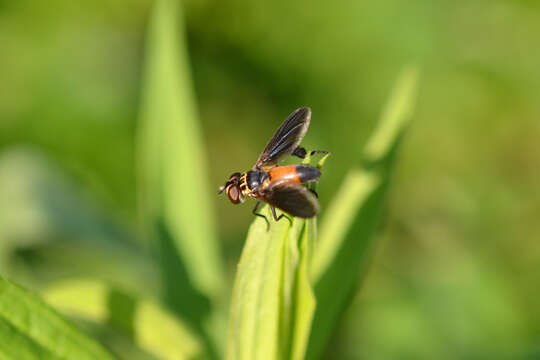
{"x": 285, "y": 172}
{"x": 300, "y": 174}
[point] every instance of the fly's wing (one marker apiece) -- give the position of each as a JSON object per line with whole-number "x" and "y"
{"x": 286, "y": 139}
{"x": 292, "y": 198}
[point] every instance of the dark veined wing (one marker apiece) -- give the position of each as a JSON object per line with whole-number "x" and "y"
{"x": 286, "y": 139}
{"x": 292, "y": 198}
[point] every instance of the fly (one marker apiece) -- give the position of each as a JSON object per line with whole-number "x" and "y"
{"x": 280, "y": 186}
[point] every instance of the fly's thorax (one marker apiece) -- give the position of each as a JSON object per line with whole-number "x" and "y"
{"x": 252, "y": 181}
{"x": 243, "y": 184}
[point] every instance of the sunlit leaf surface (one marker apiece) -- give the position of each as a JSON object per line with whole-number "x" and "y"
{"x": 272, "y": 302}
{"x": 133, "y": 316}
{"x": 30, "y": 329}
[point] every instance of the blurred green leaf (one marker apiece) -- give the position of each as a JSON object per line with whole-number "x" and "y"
{"x": 345, "y": 242}
{"x": 272, "y": 301}
{"x": 44, "y": 215}
{"x": 29, "y": 329}
{"x": 174, "y": 189}
{"x": 174, "y": 182}
{"x": 134, "y": 317}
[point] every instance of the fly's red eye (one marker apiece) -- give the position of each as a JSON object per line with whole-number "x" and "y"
{"x": 233, "y": 193}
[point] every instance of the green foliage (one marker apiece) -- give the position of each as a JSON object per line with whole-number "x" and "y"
{"x": 173, "y": 187}
{"x": 346, "y": 237}
{"x": 272, "y": 301}
{"x": 173, "y": 176}
{"x": 29, "y": 329}
{"x": 290, "y": 288}
{"x": 133, "y": 317}
{"x": 456, "y": 256}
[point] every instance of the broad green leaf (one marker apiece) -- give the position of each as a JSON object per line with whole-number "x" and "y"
{"x": 345, "y": 241}
{"x": 174, "y": 189}
{"x": 151, "y": 327}
{"x": 272, "y": 301}
{"x": 30, "y": 329}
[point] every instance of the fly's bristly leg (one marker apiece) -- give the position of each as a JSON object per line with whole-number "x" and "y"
{"x": 261, "y": 215}
{"x": 277, "y": 218}
{"x": 324, "y": 152}
{"x": 306, "y": 156}
{"x": 301, "y": 152}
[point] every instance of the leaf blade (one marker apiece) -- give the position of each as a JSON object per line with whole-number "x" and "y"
{"x": 254, "y": 304}
{"x": 91, "y": 300}
{"x": 40, "y": 328}
{"x": 347, "y": 231}
{"x": 272, "y": 299}
{"x": 173, "y": 173}
{"x": 173, "y": 182}
{"x": 305, "y": 297}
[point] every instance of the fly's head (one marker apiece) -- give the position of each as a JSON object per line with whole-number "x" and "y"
{"x": 232, "y": 188}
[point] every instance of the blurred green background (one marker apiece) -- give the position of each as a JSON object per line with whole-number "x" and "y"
{"x": 456, "y": 270}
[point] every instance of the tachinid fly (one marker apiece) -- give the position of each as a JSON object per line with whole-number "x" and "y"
{"x": 280, "y": 186}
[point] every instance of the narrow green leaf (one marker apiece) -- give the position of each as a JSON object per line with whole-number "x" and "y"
{"x": 304, "y": 298}
{"x": 30, "y": 329}
{"x": 254, "y": 317}
{"x": 100, "y": 303}
{"x": 272, "y": 301}
{"x": 172, "y": 154}
{"x": 174, "y": 189}
{"x": 341, "y": 214}
{"x": 346, "y": 236}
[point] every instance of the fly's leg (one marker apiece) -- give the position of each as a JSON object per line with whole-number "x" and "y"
{"x": 324, "y": 152}
{"x": 301, "y": 152}
{"x": 277, "y": 218}
{"x": 261, "y": 215}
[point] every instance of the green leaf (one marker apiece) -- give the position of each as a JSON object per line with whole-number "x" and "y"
{"x": 272, "y": 301}
{"x": 173, "y": 185}
{"x": 30, "y": 329}
{"x": 303, "y": 296}
{"x": 45, "y": 215}
{"x": 134, "y": 317}
{"x": 174, "y": 179}
{"x": 347, "y": 232}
